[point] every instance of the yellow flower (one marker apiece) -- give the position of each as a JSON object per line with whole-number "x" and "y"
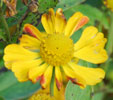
{"x": 38, "y": 53}
{"x": 44, "y": 94}
{"x": 109, "y": 4}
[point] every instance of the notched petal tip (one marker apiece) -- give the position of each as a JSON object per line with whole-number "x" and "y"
{"x": 84, "y": 20}
{"x": 59, "y": 10}
{"x": 26, "y": 26}
{"x": 42, "y": 82}
{"x": 58, "y": 84}
{"x": 100, "y": 77}
{"x": 9, "y": 47}
{"x": 51, "y": 11}
{"x": 59, "y": 14}
{"x": 33, "y": 31}
{"x": 77, "y": 13}
{"x": 44, "y": 17}
{"x": 75, "y": 22}
{"x": 102, "y": 72}
{"x": 27, "y": 29}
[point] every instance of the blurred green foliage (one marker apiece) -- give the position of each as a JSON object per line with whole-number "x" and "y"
{"x": 11, "y": 89}
{"x": 73, "y": 92}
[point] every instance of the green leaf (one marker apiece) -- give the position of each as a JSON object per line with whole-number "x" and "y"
{"x": 98, "y": 96}
{"x": 2, "y": 35}
{"x": 85, "y": 63}
{"x": 11, "y": 89}
{"x": 1, "y": 98}
{"x": 2, "y": 46}
{"x": 67, "y": 4}
{"x": 73, "y": 92}
{"x": 96, "y": 3}
{"x": 76, "y": 36}
{"x": 1, "y": 62}
{"x": 109, "y": 69}
{"x": 44, "y": 5}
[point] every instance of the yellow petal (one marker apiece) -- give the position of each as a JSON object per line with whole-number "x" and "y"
{"x": 14, "y": 52}
{"x": 21, "y": 68}
{"x": 33, "y": 31}
{"x": 8, "y": 64}
{"x": 90, "y": 47}
{"x": 29, "y": 42}
{"x": 74, "y": 77}
{"x": 60, "y": 21}
{"x": 84, "y": 20}
{"x": 46, "y": 78}
{"x": 109, "y": 4}
{"x": 75, "y": 22}
{"x": 48, "y": 21}
{"x": 91, "y": 76}
{"x": 36, "y": 72}
{"x": 59, "y": 94}
{"x": 58, "y": 77}
{"x": 87, "y": 37}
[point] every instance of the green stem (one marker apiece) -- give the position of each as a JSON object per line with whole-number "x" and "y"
{"x": 109, "y": 45}
{"x": 1, "y": 3}
{"x": 52, "y": 83}
{"x": 4, "y": 23}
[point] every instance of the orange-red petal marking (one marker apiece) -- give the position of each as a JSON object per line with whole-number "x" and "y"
{"x": 33, "y": 31}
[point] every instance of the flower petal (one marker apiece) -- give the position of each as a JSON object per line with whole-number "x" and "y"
{"x": 87, "y": 37}
{"x": 36, "y": 72}
{"x": 21, "y": 68}
{"x": 48, "y": 21}
{"x": 75, "y": 22}
{"x": 46, "y": 78}
{"x": 74, "y": 77}
{"x": 84, "y": 20}
{"x": 59, "y": 95}
{"x": 91, "y": 48}
{"x": 58, "y": 77}
{"x": 109, "y": 4}
{"x": 33, "y": 31}
{"x": 91, "y": 76}
{"x": 60, "y": 21}
{"x": 29, "y": 42}
{"x": 15, "y": 53}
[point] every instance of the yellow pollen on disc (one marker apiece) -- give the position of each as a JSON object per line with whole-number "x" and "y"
{"x": 57, "y": 49}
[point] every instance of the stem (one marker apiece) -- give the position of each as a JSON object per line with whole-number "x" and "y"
{"x": 1, "y": 3}
{"x": 109, "y": 45}
{"x": 4, "y": 23}
{"x": 52, "y": 83}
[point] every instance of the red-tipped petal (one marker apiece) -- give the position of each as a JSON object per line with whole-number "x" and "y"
{"x": 33, "y": 31}
{"x": 58, "y": 84}
{"x": 75, "y": 82}
{"x": 82, "y": 22}
{"x": 29, "y": 31}
{"x": 42, "y": 81}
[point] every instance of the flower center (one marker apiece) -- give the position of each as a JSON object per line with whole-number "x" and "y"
{"x": 56, "y": 49}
